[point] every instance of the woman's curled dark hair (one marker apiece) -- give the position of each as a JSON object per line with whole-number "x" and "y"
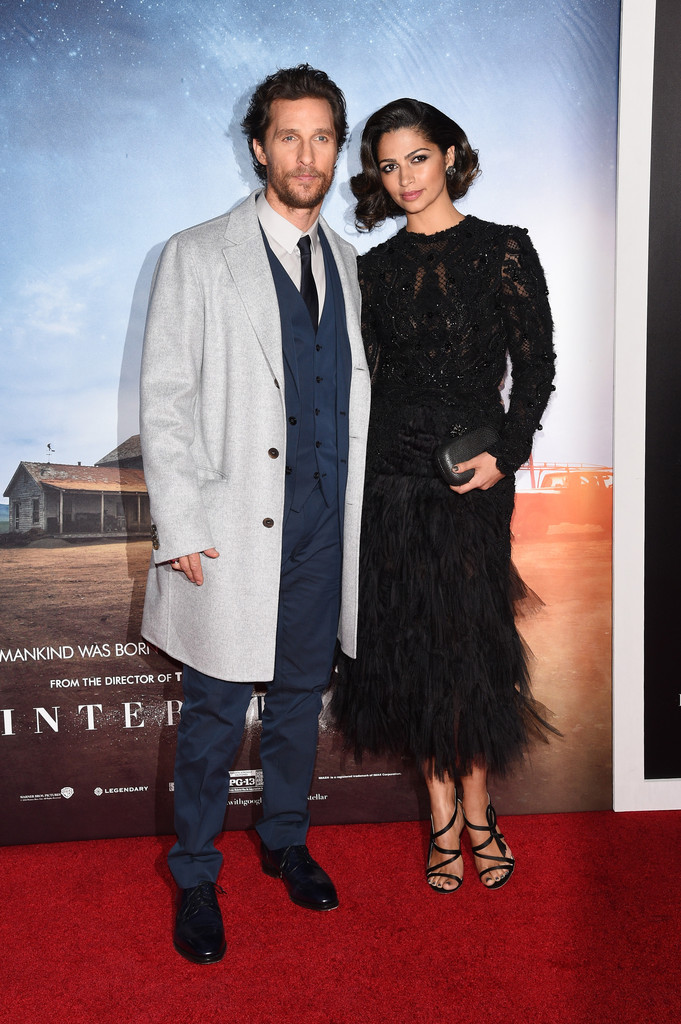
{"x": 374, "y": 204}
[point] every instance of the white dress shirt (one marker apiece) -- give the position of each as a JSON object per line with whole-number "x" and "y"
{"x": 283, "y": 238}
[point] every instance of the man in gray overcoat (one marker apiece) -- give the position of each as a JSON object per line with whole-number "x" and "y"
{"x": 254, "y": 413}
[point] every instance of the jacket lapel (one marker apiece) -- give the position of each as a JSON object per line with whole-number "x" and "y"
{"x": 250, "y": 269}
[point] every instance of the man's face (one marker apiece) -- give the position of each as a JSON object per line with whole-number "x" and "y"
{"x": 299, "y": 152}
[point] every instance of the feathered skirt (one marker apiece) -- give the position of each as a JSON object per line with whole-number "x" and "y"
{"x": 441, "y": 672}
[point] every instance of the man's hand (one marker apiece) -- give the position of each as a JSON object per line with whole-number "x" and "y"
{"x": 486, "y": 473}
{"x": 190, "y": 565}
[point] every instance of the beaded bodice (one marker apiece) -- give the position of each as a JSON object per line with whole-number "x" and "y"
{"x": 440, "y": 315}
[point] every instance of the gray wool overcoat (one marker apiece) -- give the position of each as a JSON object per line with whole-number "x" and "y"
{"x": 212, "y": 411}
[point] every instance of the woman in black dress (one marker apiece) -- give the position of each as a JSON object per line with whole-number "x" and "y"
{"x": 441, "y": 673}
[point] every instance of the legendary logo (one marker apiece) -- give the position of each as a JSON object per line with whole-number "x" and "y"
{"x": 120, "y": 789}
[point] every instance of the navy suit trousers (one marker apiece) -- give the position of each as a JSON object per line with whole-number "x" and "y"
{"x": 214, "y": 710}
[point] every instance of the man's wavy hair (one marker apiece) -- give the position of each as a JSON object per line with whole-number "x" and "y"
{"x": 291, "y": 84}
{"x": 374, "y": 204}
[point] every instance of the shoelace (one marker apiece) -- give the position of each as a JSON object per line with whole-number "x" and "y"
{"x": 204, "y": 895}
{"x": 299, "y": 853}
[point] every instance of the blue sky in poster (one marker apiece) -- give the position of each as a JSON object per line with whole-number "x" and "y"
{"x": 119, "y": 125}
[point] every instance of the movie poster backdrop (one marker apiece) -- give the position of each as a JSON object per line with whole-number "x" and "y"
{"x": 122, "y": 126}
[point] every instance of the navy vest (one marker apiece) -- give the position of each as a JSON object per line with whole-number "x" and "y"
{"x": 316, "y": 387}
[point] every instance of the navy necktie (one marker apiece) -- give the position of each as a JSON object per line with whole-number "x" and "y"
{"x": 308, "y": 289}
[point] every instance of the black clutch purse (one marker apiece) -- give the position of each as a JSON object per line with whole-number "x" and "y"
{"x": 459, "y": 449}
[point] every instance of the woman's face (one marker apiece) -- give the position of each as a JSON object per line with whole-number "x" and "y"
{"x": 413, "y": 169}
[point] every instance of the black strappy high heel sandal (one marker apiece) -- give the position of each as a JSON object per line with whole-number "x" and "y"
{"x": 504, "y": 861}
{"x": 436, "y": 871}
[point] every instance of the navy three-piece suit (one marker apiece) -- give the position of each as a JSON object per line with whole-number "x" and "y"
{"x": 317, "y": 373}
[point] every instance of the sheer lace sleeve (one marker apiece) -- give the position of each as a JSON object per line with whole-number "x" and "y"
{"x": 527, "y": 316}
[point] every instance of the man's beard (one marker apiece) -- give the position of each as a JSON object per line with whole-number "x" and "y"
{"x": 300, "y": 197}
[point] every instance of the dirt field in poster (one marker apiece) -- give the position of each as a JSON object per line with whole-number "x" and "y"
{"x": 88, "y": 713}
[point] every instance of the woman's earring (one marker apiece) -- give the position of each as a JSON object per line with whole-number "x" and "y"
{"x": 450, "y": 171}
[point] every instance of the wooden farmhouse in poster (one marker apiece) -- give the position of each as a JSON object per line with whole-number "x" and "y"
{"x": 108, "y": 499}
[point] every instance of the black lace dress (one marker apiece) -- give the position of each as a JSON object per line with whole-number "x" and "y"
{"x": 441, "y": 671}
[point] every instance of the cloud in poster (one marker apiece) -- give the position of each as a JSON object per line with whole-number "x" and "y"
{"x": 55, "y": 304}
{"x": 121, "y": 126}
{"x": 51, "y": 328}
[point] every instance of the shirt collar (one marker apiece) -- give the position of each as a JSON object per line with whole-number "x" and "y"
{"x": 280, "y": 229}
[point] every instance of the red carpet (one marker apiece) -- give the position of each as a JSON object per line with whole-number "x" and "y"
{"x": 587, "y": 932}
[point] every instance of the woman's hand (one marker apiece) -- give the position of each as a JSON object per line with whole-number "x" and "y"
{"x": 486, "y": 473}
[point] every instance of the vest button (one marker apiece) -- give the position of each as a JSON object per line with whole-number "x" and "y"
{"x": 316, "y": 476}
{"x": 316, "y": 412}
{"x": 318, "y": 444}
{"x": 273, "y": 453}
{"x": 319, "y": 379}
{"x": 318, "y": 347}
{"x": 269, "y": 523}
{"x": 292, "y": 420}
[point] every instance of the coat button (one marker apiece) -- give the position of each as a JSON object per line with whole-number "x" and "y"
{"x": 319, "y": 379}
{"x": 273, "y": 453}
{"x": 292, "y": 420}
{"x": 269, "y": 523}
{"x": 318, "y": 444}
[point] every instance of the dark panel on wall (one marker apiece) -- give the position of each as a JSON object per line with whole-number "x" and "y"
{"x": 663, "y": 424}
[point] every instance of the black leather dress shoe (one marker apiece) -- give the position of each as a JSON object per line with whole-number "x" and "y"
{"x": 308, "y": 885}
{"x": 199, "y": 933}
